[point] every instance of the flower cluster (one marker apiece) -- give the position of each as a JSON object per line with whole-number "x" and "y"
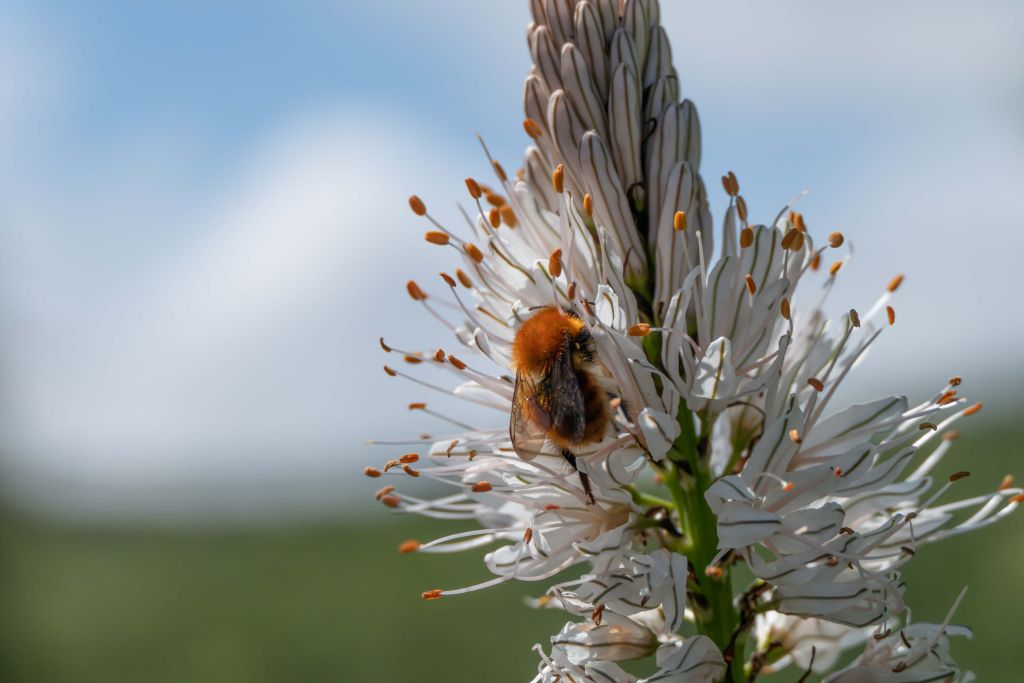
{"x": 722, "y": 446}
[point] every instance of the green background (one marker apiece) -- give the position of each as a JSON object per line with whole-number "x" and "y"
{"x": 333, "y": 601}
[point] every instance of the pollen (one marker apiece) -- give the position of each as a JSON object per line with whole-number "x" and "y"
{"x": 836, "y": 239}
{"x": 679, "y": 221}
{"x": 508, "y": 216}
{"x": 895, "y": 283}
{"x": 481, "y": 487}
{"x": 973, "y": 409}
{"x": 816, "y": 383}
{"x": 555, "y": 262}
{"x": 474, "y": 252}
{"x": 890, "y": 313}
{"x": 834, "y": 268}
{"x": 437, "y": 237}
{"x": 746, "y": 237}
{"x": 494, "y": 217}
{"x": 410, "y": 546}
{"x": 588, "y": 205}
{"x": 371, "y": 472}
{"x": 751, "y": 285}
{"x": 432, "y": 594}
{"x": 417, "y": 206}
{"x": 532, "y": 128}
{"x": 414, "y": 290}
{"x": 456, "y": 362}
{"x": 558, "y": 178}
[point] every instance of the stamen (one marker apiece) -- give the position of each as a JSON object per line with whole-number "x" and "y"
{"x": 836, "y": 239}
{"x": 854, "y": 317}
{"x": 448, "y": 279}
{"x": 679, "y": 221}
{"x": 558, "y": 178}
{"x": 474, "y": 188}
{"x": 500, "y": 172}
{"x": 463, "y": 278}
{"x": 411, "y": 359}
{"x": 387, "y": 349}
{"x": 1006, "y": 483}
{"x": 957, "y": 476}
{"x": 955, "y": 380}
{"x": 789, "y": 238}
{"x": 437, "y": 237}
{"x": 390, "y": 501}
{"x": 390, "y": 371}
{"x": 481, "y": 487}
{"x": 816, "y": 383}
{"x": 417, "y": 206}
{"x": 383, "y": 492}
{"x": 741, "y": 208}
{"x": 588, "y": 205}
{"x": 973, "y": 409}
{"x": 746, "y": 237}
{"x": 439, "y": 355}
{"x": 891, "y": 313}
{"x": 731, "y": 184}
{"x": 798, "y": 221}
{"x": 555, "y": 262}
{"x": 415, "y": 292}
{"x": 947, "y": 397}
{"x": 410, "y": 471}
{"x": 834, "y": 268}
{"x": 409, "y": 458}
{"x": 794, "y": 436}
{"x": 410, "y": 546}
{"x": 494, "y": 217}
{"x": 456, "y": 362}
{"x": 432, "y": 595}
{"x": 532, "y": 128}
{"x": 714, "y": 571}
{"x": 784, "y": 308}
{"x": 815, "y": 262}
{"x": 508, "y": 215}
{"x": 751, "y": 285}
{"x": 371, "y": 472}
{"x": 895, "y": 283}
{"x": 473, "y": 252}
{"x": 639, "y": 330}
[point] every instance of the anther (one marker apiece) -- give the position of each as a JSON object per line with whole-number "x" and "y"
{"x": 551, "y": 507}
{"x": 481, "y": 487}
{"x": 973, "y": 409}
{"x": 895, "y": 283}
{"x": 1019, "y": 498}
{"x": 409, "y": 458}
{"x": 500, "y": 172}
{"x": 731, "y": 184}
{"x": 1006, "y": 483}
{"x": 571, "y": 294}
{"x": 390, "y": 501}
{"x": 436, "y": 237}
{"x": 836, "y": 239}
{"x": 555, "y": 262}
{"x": 788, "y": 239}
{"x": 588, "y": 205}
{"x": 794, "y": 436}
{"x": 784, "y": 308}
{"x": 414, "y": 290}
{"x": 432, "y": 595}
{"x": 389, "y": 371}
{"x": 456, "y": 362}
{"x": 788, "y": 486}
{"x": 471, "y": 454}
{"x": 816, "y": 383}
{"x": 890, "y": 312}
{"x": 532, "y": 128}
{"x": 383, "y": 492}
{"x": 451, "y": 447}
{"x": 474, "y": 252}
{"x": 411, "y": 359}
{"x": 746, "y": 237}
{"x": 448, "y": 279}
{"x": 854, "y": 317}
{"x": 474, "y": 188}
{"x": 751, "y": 285}
{"x": 834, "y": 268}
{"x": 741, "y": 208}
{"x": 955, "y": 380}
{"x": 638, "y": 330}
{"x": 417, "y": 206}
{"x": 371, "y": 472}
{"x": 927, "y": 426}
{"x": 527, "y": 535}
{"x": 832, "y": 561}
{"x": 798, "y": 241}
{"x": 951, "y": 435}
{"x": 410, "y": 471}
{"x": 495, "y": 199}
{"x": 439, "y": 355}
{"x": 679, "y": 221}
{"x": 387, "y": 349}
{"x": 598, "y": 614}
{"x": 409, "y": 546}
{"x": 815, "y": 263}
{"x": 957, "y": 476}
{"x": 508, "y": 215}
{"x": 714, "y": 571}
{"x": 558, "y": 178}
{"x": 798, "y": 221}
{"x": 947, "y": 397}
{"x": 846, "y": 530}
{"x": 463, "y": 278}
{"x": 494, "y": 217}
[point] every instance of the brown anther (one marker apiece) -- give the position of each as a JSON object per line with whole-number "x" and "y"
{"x": 495, "y": 199}
{"x": 794, "y": 436}
{"x": 1019, "y": 498}
{"x": 927, "y": 426}
{"x": 798, "y": 241}
{"x": 451, "y": 447}
{"x": 474, "y": 188}
{"x": 798, "y": 221}
{"x": 414, "y": 290}
{"x": 371, "y": 472}
{"x": 387, "y": 349}
{"x": 788, "y": 239}
{"x": 474, "y": 252}
{"x": 638, "y": 330}
{"x": 895, "y": 283}
{"x": 532, "y": 128}
{"x": 947, "y": 397}
{"x": 815, "y": 263}
{"x": 890, "y": 313}
{"x": 973, "y": 409}
{"x": 448, "y": 279}
{"x": 432, "y": 595}
{"x": 551, "y": 506}
{"x": 836, "y": 239}
{"x": 751, "y": 285}
{"x": 816, "y": 383}
{"x": 463, "y": 278}
{"x": 951, "y": 435}
{"x": 834, "y": 268}
{"x": 615, "y": 403}
{"x": 390, "y": 372}
{"x": 846, "y": 530}
{"x": 784, "y": 309}
{"x": 410, "y": 546}
{"x": 390, "y": 501}
{"x": 955, "y": 380}
{"x": 494, "y": 217}
{"x": 508, "y": 216}
{"x": 1006, "y": 483}
{"x": 471, "y": 454}
{"x": 481, "y": 487}
{"x": 409, "y": 458}
{"x": 741, "y": 208}
{"x": 788, "y": 486}
{"x": 571, "y": 294}
{"x": 500, "y": 172}
{"x": 838, "y": 471}
{"x": 390, "y": 464}
{"x": 558, "y": 178}
{"x": 555, "y": 262}
{"x": 527, "y": 535}
{"x": 679, "y": 221}
{"x": 410, "y": 471}
{"x": 436, "y": 237}
{"x": 832, "y": 561}
{"x": 746, "y": 237}
{"x": 854, "y": 317}
{"x": 957, "y": 476}
{"x": 731, "y": 184}
{"x": 598, "y": 614}
{"x": 456, "y": 362}
{"x": 417, "y": 206}
{"x": 383, "y": 492}
{"x": 714, "y": 571}
{"x": 411, "y": 359}
{"x": 588, "y": 205}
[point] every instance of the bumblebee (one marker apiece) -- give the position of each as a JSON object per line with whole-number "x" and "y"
{"x": 558, "y": 398}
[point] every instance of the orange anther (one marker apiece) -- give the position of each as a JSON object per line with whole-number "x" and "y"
{"x": 508, "y": 216}
{"x": 555, "y": 262}
{"x": 456, "y": 362}
{"x": 558, "y": 178}
{"x": 751, "y": 285}
{"x": 481, "y": 487}
{"x": 390, "y": 501}
{"x": 816, "y": 383}
{"x": 973, "y": 409}
{"x": 679, "y": 221}
{"x": 895, "y": 283}
{"x": 448, "y": 279}
{"x": 836, "y": 240}
{"x": 410, "y": 546}
{"x": 890, "y": 312}
{"x": 532, "y": 128}
{"x": 639, "y": 330}
{"x": 414, "y": 291}
{"x": 474, "y": 252}
{"x": 417, "y": 206}
{"x": 474, "y": 188}
{"x": 436, "y": 237}
{"x": 494, "y": 217}
{"x": 409, "y": 458}
{"x": 746, "y": 237}
{"x": 463, "y": 278}
{"x": 371, "y": 472}
{"x": 432, "y": 595}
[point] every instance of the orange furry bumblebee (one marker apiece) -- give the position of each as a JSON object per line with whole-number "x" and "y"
{"x": 558, "y": 398}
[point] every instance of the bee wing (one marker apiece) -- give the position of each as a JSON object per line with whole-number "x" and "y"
{"x": 568, "y": 414}
{"x": 530, "y": 421}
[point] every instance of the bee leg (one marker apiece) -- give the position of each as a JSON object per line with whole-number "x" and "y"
{"x": 584, "y": 479}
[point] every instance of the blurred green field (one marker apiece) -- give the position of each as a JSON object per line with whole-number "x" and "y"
{"x": 334, "y": 601}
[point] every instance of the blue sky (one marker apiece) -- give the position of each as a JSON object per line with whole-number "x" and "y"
{"x": 203, "y": 230}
